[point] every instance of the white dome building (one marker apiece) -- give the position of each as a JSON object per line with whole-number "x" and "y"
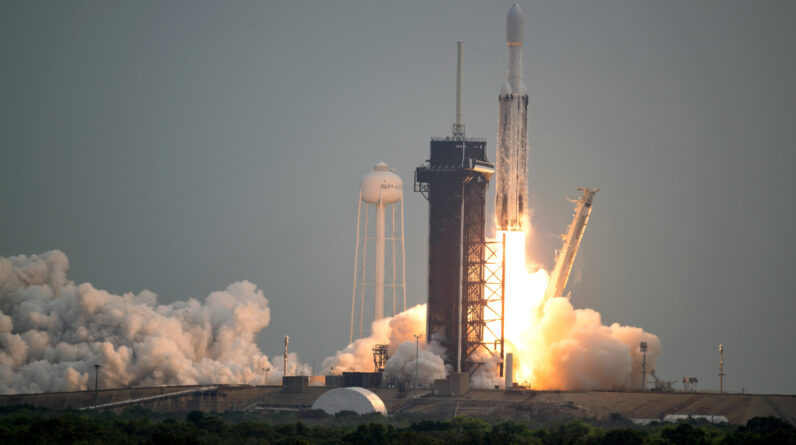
{"x": 358, "y": 400}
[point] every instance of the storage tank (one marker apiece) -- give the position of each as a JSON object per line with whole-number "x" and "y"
{"x": 381, "y": 183}
{"x": 383, "y": 265}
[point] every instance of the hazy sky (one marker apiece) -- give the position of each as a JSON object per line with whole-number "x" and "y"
{"x": 180, "y": 146}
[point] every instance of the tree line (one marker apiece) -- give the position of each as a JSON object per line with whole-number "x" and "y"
{"x": 28, "y": 425}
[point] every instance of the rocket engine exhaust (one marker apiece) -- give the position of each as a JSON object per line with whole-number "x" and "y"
{"x": 511, "y": 187}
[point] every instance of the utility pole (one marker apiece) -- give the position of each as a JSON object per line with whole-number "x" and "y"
{"x": 643, "y": 366}
{"x": 96, "y": 385}
{"x": 721, "y": 369}
{"x": 417, "y": 358}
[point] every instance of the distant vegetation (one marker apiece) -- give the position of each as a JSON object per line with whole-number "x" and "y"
{"x": 27, "y": 425}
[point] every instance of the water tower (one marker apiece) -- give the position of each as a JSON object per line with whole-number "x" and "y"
{"x": 379, "y": 263}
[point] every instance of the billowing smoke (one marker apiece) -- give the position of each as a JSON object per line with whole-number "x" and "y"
{"x": 556, "y": 346}
{"x": 571, "y": 349}
{"x": 487, "y": 375}
{"x": 421, "y": 363}
{"x": 397, "y": 332}
{"x": 53, "y": 332}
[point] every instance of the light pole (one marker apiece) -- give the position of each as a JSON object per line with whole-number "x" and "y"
{"x": 721, "y": 369}
{"x": 96, "y": 384}
{"x": 417, "y": 358}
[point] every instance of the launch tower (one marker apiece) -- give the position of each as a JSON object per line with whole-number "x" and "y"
{"x": 454, "y": 180}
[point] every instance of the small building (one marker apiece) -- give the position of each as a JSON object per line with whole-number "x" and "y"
{"x": 334, "y": 380}
{"x": 674, "y": 418}
{"x": 295, "y": 383}
{"x": 362, "y": 379}
{"x": 457, "y": 384}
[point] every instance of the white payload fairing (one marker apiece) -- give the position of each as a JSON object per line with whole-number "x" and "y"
{"x": 511, "y": 196}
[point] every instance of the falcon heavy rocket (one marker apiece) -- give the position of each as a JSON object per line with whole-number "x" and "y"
{"x": 511, "y": 196}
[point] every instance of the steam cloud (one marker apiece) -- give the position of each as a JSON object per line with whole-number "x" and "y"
{"x": 53, "y": 332}
{"x": 397, "y": 332}
{"x": 559, "y": 347}
{"x": 570, "y": 349}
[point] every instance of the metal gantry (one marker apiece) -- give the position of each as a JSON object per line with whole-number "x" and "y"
{"x": 643, "y": 348}
{"x": 380, "y": 357}
{"x": 485, "y": 309}
{"x": 454, "y": 180}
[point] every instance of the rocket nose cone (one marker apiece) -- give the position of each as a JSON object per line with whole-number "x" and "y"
{"x": 514, "y": 24}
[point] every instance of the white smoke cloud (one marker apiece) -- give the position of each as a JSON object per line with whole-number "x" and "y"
{"x": 556, "y": 346}
{"x": 411, "y": 362}
{"x": 53, "y": 332}
{"x": 397, "y": 332}
{"x": 487, "y": 375}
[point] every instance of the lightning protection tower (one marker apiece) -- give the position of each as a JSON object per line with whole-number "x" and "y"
{"x": 454, "y": 181}
{"x": 379, "y": 262}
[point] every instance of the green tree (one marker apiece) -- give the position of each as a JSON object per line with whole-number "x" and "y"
{"x": 370, "y": 434}
{"x": 684, "y": 434}
{"x": 623, "y": 436}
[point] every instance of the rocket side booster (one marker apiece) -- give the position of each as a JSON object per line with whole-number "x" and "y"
{"x": 512, "y": 139}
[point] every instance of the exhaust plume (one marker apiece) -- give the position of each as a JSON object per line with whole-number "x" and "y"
{"x": 556, "y": 346}
{"x": 53, "y": 331}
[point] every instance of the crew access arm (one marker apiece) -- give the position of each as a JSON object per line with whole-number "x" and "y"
{"x": 566, "y": 256}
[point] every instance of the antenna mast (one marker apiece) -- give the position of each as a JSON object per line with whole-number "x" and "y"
{"x": 458, "y": 127}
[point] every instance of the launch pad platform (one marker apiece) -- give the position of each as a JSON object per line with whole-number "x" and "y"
{"x": 533, "y": 406}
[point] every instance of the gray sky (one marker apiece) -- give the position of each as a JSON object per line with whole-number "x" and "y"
{"x": 180, "y": 146}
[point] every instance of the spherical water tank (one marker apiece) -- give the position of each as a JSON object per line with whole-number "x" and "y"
{"x": 381, "y": 181}
{"x": 358, "y": 400}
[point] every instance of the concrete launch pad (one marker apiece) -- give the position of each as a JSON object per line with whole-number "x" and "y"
{"x": 535, "y": 406}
